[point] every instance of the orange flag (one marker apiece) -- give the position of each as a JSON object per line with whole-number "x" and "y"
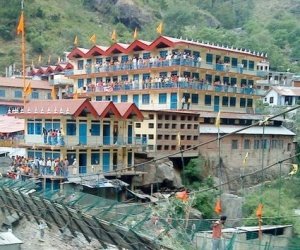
{"x": 135, "y": 34}
{"x": 183, "y": 196}
{"x": 114, "y": 36}
{"x": 53, "y": 93}
{"x": 20, "y": 28}
{"x": 259, "y": 210}
{"x": 159, "y": 28}
{"x": 218, "y": 208}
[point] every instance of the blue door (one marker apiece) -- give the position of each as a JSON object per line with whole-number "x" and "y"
{"x": 173, "y": 103}
{"x": 82, "y": 163}
{"x": 129, "y": 133}
{"x": 106, "y": 161}
{"x": 83, "y": 133}
{"x": 136, "y": 100}
{"x": 106, "y": 134}
{"x": 217, "y": 103}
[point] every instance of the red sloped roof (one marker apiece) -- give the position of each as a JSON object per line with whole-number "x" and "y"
{"x": 81, "y": 52}
{"x": 138, "y": 43}
{"x": 104, "y": 107}
{"x": 95, "y": 50}
{"x": 55, "y": 108}
{"x": 127, "y": 109}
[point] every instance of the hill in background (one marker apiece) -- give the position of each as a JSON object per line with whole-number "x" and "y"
{"x": 270, "y": 26}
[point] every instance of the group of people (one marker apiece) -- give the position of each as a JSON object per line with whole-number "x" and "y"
{"x": 53, "y": 136}
{"x": 167, "y": 59}
{"x": 22, "y": 166}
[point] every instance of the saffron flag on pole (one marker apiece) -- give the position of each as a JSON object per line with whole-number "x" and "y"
{"x": 20, "y": 28}
{"x": 135, "y": 34}
{"x": 27, "y": 90}
{"x": 114, "y": 36}
{"x": 218, "y": 207}
{"x": 259, "y": 210}
{"x": 245, "y": 159}
{"x": 218, "y": 120}
{"x": 40, "y": 59}
{"x": 93, "y": 39}
{"x": 178, "y": 139}
{"x": 159, "y": 28}
{"x": 75, "y": 41}
{"x": 49, "y": 59}
{"x": 53, "y": 93}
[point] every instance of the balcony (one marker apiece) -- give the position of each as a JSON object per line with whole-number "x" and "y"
{"x": 193, "y": 85}
{"x": 79, "y": 141}
{"x": 61, "y": 81}
{"x": 128, "y": 66}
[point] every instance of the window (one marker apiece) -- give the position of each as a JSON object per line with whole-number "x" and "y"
{"x": 195, "y": 98}
{"x": 159, "y": 137}
{"x": 95, "y": 129}
{"x": 162, "y": 98}
{"x": 182, "y": 126}
{"x": 138, "y": 125}
{"x": 167, "y": 117}
{"x": 30, "y": 127}
{"x": 52, "y": 124}
{"x": 124, "y": 77}
{"x": 18, "y": 94}
{"x": 159, "y": 125}
{"x": 146, "y": 55}
{"x": 80, "y": 64}
{"x": 124, "y": 98}
{"x": 245, "y": 63}
{"x": 234, "y": 62}
{"x": 145, "y": 99}
{"x": 163, "y": 53}
{"x": 151, "y": 137}
{"x": 146, "y": 76}
{"x": 124, "y": 58}
{"x": 151, "y": 116}
{"x": 35, "y": 95}
{"x": 243, "y": 102}
{"x": 246, "y": 144}
{"x": 289, "y": 147}
{"x": 234, "y": 144}
{"x": 249, "y": 103}
{"x": 207, "y": 100}
{"x": 98, "y": 98}
{"x": 167, "y": 137}
{"x": 151, "y": 125}
{"x": 251, "y": 65}
{"x": 209, "y": 58}
{"x": 256, "y": 144}
{"x": 208, "y": 78}
{"x": 129, "y": 159}
{"x": 189, "y": 126}
{"x": 195, "y": 138}
{"x": 166, "y": 147}
{"x": 115, "y": 98}
{"x": 174, "y": 125}
{"x": 167, "y": 125}
{"x": 225, "y": 101}
{"x": 95, "y": 158}
{"x": 2, "y": 93}
{"x": 80, "y": 83}
{"x": 195, "y": 126}
{"x": 264, "y": 144}
{"x": 173, "y": 137}
{"x": 232, "y": 101}
{"x": 271, "y": 99}
{"x": 71, "y": 127}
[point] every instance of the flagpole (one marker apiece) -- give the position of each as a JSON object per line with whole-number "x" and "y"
{"x": 23, "y": 53}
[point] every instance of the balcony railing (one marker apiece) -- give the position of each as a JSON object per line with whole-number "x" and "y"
{"x": 175, "y": 85}
{"x": 159, "y": 64}
{"x": 85, "y": 141}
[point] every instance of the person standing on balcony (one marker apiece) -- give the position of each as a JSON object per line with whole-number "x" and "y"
{"x": 189, "y": 103}
{"x": 182, "y": 102}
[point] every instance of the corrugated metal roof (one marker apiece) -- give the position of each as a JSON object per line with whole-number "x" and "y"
{"x": 10, "y": 124}
{"x": 233, "y": 115}
{"x": 8, "y": 238}
{"x": 18, "y": 83}
{"x": 256, "y": 130}
{"x": 287, "y": 91}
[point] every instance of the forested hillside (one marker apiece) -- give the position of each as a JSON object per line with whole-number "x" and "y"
{"x": 270, "y": 26}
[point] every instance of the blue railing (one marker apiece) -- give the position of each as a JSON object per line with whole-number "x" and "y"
{"x": 161, "y": 63}
{"x": 177, "y": 85}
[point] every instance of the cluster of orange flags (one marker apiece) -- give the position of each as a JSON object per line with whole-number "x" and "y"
{"x": 218, "y": 207}
{"x": 183, "y": 196}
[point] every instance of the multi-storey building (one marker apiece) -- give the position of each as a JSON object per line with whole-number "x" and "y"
{"x": 168, "y": 71}
{"x": 268, "y": 144}
{"x": 168, "y": 131}
{"x": 99, "y": 135}
{"x": 11, "y": 92}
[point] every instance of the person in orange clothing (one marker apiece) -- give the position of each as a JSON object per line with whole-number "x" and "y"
{"x": 217, "y": 233}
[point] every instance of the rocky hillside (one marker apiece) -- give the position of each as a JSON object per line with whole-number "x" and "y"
{"x": 271, "y": 26}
